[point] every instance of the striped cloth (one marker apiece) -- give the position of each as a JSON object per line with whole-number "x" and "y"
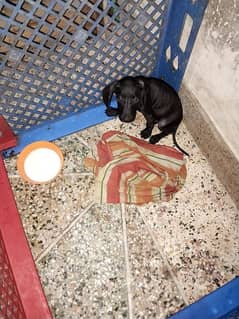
{"x": 130, "y": 170}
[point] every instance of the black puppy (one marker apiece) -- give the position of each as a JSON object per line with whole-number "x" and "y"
{"x": 154, "y": 98}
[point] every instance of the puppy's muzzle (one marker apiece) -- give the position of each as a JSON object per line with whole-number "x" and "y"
{"x": 128, "y": 113}
{"x": 126, "y": 119}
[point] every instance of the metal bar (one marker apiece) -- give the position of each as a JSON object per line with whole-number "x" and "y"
{"x": 52, "y": 130}
{"x": 173, "y": 26}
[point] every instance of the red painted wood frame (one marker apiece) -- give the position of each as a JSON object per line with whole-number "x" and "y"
{"x": 15, "y": 252}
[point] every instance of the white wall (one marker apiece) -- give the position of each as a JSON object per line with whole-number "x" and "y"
{"x": 213, "y": 71}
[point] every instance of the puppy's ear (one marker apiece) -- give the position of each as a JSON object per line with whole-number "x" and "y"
{"x": 108, "y": 92}
{"x": 140, "y": 83}
{"x": 143, "y": 89}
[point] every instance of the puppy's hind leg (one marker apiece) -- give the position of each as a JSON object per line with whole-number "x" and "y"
{"x": 157, "y": 137}
{"x": 149, "y": 126}
{"x": 170, "y": 129}
{"x": 147, "y": 131}
{"x": 165, "y": 129}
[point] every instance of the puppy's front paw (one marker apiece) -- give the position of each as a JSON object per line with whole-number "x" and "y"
{"x": 110, "y": 111}
{"x": 145, "y": 133}
{"x": 154, "y": 139}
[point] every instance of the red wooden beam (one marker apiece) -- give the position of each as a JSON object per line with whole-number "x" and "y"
{"x": 15, "y": 245}
{"x": 7, "y": 137}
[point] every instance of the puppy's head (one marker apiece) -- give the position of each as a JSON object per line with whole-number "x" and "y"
{"x": 128, "y": 93}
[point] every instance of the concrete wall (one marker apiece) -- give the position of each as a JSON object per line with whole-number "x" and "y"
{"x": 213, "y": 71}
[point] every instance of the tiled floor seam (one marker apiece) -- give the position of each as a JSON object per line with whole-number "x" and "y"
{"x": 16, "y": 176}
{"x": 166, "y": 262}
{"x": 45, "y": 252}
{"x": 82, "y": 141}
{"x": 127, "y": 263}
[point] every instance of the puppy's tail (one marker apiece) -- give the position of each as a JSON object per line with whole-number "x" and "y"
{"x": 175, "y": 142}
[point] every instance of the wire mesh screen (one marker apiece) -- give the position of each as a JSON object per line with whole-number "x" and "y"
{"x": 56, "y": 56}
{"x": 10, "y": 304}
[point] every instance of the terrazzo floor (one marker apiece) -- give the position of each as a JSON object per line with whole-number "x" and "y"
{"x": 126, "y": 261}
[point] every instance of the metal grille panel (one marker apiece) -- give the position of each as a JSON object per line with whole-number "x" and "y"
{"x": 56, "y": 56}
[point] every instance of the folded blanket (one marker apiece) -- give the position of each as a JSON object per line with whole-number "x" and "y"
{"x": 130, "y": 170}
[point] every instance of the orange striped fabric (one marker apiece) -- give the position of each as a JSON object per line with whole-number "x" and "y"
{"x": 130, "y": 170}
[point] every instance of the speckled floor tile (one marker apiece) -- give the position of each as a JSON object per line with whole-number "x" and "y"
{"x": 11, "y": 166}
{"x": 91, "y": 135}
{"x": 225, "y": 163}
{"x": 175, "y": 252}
{"x": 74, "y": 149}
{"x": 154, "y": 293}
{"x": 198, "y": 230}
{"x": 47, "y": 209}
{"x": 115, "y": 124}
{"x": 84, "y": 274}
